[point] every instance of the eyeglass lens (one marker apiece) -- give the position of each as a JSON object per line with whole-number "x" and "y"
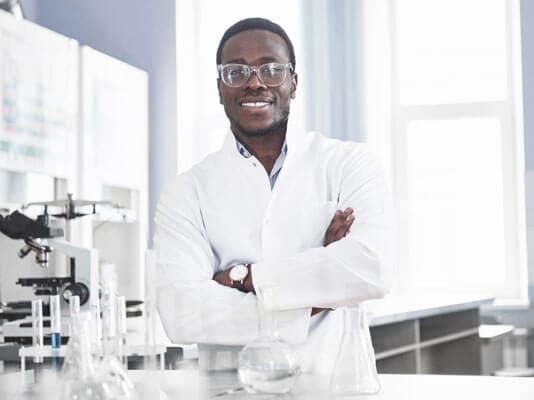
{"x": 271, "y": 74}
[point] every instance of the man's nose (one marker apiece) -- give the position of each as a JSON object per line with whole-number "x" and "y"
{"x": 254, "y": 81}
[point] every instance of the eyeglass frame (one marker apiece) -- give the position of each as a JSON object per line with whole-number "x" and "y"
{"x": 255, "y": 68}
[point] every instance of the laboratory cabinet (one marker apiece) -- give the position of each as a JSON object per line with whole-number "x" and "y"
{"x": 427, "y": 336}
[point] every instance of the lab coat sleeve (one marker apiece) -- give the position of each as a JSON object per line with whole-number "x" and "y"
{"x": 351, "y": 270}
{"x": 193, "y": 307}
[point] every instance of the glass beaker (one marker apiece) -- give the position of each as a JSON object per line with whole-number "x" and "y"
{"x": 268, "y": 364}
{"x": 355, "y": 368}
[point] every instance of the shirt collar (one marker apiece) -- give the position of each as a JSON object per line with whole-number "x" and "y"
{"x": 245, "y": 153}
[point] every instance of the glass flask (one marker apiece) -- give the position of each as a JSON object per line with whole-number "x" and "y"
{"x": 79, "y": 377}
{"x": 110, "y": 366}
{"x": 268, "y": 364}
{"x": 355, "y": 368}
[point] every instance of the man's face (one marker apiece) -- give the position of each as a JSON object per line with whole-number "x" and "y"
{"x": 255, "y": 109}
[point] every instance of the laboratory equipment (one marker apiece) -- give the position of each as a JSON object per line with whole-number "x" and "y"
{"x": 80, "y": 379}
{"x": 111, "y": 369}
{"x": 268, "y": 364}
{"x": 122, "y": 330}
{"x": 55, "y": 321}
{"x": 150, "y": 307}
{"x": 55, "y": 326}
{"x": 41, "y": 238}
{"x": 74, "y": 304}
{"x": 37, "y": 327}
{"x": 355, "y": 368}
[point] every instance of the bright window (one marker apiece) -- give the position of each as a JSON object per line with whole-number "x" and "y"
{"x": 455, "y": 142}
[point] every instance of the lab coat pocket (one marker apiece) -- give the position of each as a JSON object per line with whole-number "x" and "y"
{"x": 314, "y": 219}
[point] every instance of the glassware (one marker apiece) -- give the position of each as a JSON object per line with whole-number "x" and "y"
{"x": 55, "y": 321}
{"x": 38, "y": 339}
{"x": 355, "y": 368}
{"x": 268, "y": 364}
{"x": 79, "y": 377}
{"x": 150, "y": 313}
{"x": 74, "y": 304}
{"x": 122, "y": 330}
{"x": 37, "y": 325}
{"x": 111, "y": 369}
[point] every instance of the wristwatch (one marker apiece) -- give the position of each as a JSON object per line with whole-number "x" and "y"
{"x": 238, "y": 273}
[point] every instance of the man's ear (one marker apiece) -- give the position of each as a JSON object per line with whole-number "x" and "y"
{"x": 219, "y": 90}
{"x": 294, "y": 82}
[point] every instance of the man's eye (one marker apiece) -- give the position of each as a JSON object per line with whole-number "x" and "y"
{"x": 271, "y": 69}
{"x": 236, "y": 72}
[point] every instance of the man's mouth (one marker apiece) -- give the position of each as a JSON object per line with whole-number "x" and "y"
{"x": 256, "y": 103}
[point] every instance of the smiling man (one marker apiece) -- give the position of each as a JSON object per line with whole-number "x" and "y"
{"x": 296, "y": 212}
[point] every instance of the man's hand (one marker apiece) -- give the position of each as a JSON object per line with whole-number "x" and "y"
{"x": 223, "y": 278}
{"x": 339, "y": 226}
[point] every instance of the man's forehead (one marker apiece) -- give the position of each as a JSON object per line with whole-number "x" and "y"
{"x": 255, "y": 44}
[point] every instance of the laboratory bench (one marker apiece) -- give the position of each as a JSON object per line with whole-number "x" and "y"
{"x": 434, "y": 334}
{"x": 410, "y": 334}
{"x": 194, "y": 385}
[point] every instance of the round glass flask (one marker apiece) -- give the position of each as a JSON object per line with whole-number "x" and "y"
{"x": 268, "y": 364}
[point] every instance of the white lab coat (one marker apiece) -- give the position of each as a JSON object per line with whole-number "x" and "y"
{"x": 222, "y": 212}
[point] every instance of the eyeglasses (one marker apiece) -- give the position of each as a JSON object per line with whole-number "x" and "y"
{"x": 271, "y": 74}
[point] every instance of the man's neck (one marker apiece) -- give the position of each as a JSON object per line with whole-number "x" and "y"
{"x": 265, "y": 148}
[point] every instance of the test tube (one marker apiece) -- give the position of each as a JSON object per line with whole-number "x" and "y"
{"x": 37, "y": 325}
{"x": 122, "y": 330}
{"x": 150, "y": 307}
{"x": 96, "y": 331}
{"x": 55, "y": 322}
{"x": 74, "y": 304}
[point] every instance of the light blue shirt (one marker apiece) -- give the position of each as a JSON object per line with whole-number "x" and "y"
{"x": 277, "y": 165}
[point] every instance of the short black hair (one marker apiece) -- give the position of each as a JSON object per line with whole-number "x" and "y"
{"x": 248, "y": 24}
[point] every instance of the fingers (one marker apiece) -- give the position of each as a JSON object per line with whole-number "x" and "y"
{"x": 339, "y": 226}
{"x": 346, "y": 222}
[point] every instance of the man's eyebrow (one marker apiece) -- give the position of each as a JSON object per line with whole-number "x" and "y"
{"x": 262, "y": 60}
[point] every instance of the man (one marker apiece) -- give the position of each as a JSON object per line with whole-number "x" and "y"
{"x": 261, "y": 212}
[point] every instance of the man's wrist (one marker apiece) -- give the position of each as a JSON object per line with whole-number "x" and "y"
{"x": 241, "y": 277}
{"x": 248, "y": 284}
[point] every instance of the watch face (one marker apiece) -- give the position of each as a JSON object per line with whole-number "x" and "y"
{"x": 238, "y": 273}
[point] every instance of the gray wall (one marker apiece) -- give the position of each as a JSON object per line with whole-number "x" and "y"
{"x": 527, "y": 38}
{"x": 140, "y": 33}
{"x": 332, "y": 32}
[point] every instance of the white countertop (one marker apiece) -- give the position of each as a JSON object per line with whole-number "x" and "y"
{"x": 192, "y": 385}
{"x": 398, "y": 308}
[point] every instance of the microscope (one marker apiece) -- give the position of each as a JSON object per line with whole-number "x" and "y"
{"x": 41, "y": 239}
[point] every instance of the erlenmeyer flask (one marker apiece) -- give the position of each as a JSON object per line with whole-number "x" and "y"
{"x": 268, "y": 364}
{"x": 355, "y": 368}
{"x": 79, "y": 377}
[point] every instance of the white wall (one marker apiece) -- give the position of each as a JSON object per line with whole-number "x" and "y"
{"x": 140, "y": 33}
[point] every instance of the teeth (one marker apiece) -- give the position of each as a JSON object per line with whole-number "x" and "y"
{"x": 255, "y": 104}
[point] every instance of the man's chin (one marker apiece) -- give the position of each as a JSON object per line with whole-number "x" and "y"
{"x": 258, "y": 132}
{"x": 273, "y": 129}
